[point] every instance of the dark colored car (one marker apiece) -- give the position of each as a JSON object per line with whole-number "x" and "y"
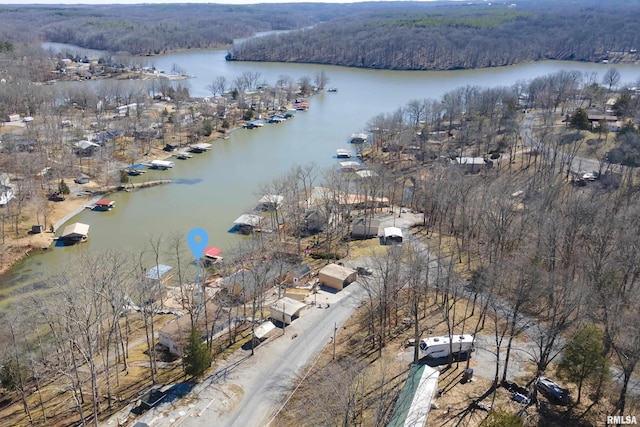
{"x": 553, "y": 391}
{"x": 364, "y": 271}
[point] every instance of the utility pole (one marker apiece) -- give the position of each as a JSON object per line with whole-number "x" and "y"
{"x": 335, "y": 329}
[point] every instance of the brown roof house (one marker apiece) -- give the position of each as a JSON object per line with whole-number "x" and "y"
{"x": 175, "y": 334}
{"x": 336, "y": 276}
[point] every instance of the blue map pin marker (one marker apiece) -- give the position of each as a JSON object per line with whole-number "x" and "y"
{"x": 197, "y": 240}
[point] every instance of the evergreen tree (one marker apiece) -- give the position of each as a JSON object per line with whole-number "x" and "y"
{"x": 63, "y": 188}
{"x": 583, "y": 359}
{"x": 580, "y": 120}
{"x": 197, "y": 357}
{"x": 124, "y": 177}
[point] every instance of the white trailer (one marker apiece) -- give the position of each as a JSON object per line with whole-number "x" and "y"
{"x": 436, "y": 347}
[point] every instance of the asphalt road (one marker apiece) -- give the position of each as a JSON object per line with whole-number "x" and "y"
{"x": 283, "y": 360}
{"x": 248, "y": 390}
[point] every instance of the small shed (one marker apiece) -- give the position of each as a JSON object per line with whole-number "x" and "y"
{"x": 12, "y": 118}
{"x": 392, "y": 235}
{"x": 286, "y": 310}
{"x": 336, "y": 276}
{"x": 159, "y": 272}
{"x": 74, "y": 233}
{"x": 264, "y": 329}
{"x": 81, "y": 178}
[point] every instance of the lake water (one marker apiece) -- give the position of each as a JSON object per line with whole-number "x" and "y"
{"x": 214, "y": 188}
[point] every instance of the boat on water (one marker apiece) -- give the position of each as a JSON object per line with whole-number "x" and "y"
{"x": 332, "y": 89}
{"x": 358, "y": 138}
{"x": 104, "y": 205}
{"x": 183, "y": 155}
{"x": 341, "y": 153}
{"x": 162, "y": 164}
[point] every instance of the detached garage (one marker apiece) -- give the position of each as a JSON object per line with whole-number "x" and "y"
{"x": 286, "y": 310}
{"x": 392, "y": 235}
{"x": 336, "y": 276}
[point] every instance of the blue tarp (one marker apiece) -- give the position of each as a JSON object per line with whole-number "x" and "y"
{"x": 157, "y": 272}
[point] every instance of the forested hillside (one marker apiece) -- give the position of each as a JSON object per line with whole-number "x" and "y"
{"x": 385, "y": 35}
{"x": 460, "y": 36}
{"x": 150, "y": 28}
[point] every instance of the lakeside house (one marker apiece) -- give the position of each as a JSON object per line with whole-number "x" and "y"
{"x": 85, "y": 148}
{"x": 6, "y": 190}
{"x": 364, "y": 227}
{"x": 159, "y": 273}
{"x": 472, "y": 164}
{"x": 319, "y": 196}
{"x": 6, "y": 194}
{"x": 174, "y": 335}
{"x": 269, "y": 202}
{"x": 244, "y": 283}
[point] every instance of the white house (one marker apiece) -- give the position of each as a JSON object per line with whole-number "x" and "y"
{"x": 286, "y": 310}
{"x": 6, "y": 194}
{"x": 472, "y": 164}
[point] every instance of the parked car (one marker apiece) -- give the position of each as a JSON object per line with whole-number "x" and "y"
{"x": 520, "y": 398}
{"x": 364, "y": 271}
{"x": 553, "y": 391}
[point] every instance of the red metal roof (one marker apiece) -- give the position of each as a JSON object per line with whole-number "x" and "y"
{"x": 104, "y": 202}
{"x": 212, "y": 252}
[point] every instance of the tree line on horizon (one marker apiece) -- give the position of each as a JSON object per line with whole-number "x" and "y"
{"x": 385, "y": 35}
{"x": 456, "y": 37}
